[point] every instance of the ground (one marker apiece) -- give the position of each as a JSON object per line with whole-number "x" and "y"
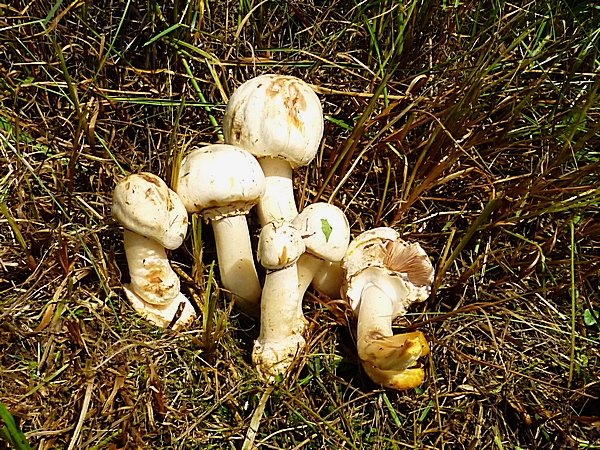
{"x": 471, "y": 128}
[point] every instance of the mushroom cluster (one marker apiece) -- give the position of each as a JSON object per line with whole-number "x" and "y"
{"x": 273, "y": 124}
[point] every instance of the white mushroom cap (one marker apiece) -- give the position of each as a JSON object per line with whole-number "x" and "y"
{"x": 144, "y": 204}
{"x": 279, "y": 245}
{"x": 367, "y": 242}
{"x": 275, "y": 116}
{"x": 223, "y": 182}
{"x": 325, "y": 231}
{"x": 220, "y": 181}
{"x": 401, "y": 270}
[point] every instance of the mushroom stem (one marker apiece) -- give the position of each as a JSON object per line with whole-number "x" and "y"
{"x": 308, "y": 267}
{"x": 376, "y": 342}
{"x": 236, "y": 264}
{"x": 281, "y": 284}
{"x": 278, "y": 201}
{"x": 152, "y": 277}
{"x": 374, "y": 315}
{"x": 154, "y": 291}
{"x": 281, "y": 324}
{"x": 329, "y": 279}
{"x": 280, "y": 246}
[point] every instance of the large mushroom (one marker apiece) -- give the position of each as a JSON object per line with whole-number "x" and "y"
{"x": 384, "y": 276}
{"x": 223, "y": 182}
{"x": 282, "y": 324}
{"x": 279, "y": 119}
{"x": 154, "y": 218}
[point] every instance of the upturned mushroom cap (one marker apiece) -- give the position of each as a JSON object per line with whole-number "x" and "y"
{"x": 384, "y": 275}
{"x": 279, "y": 245}
{"x": 220, "y": 181}
{"x": 275, "y": 116}
{"x": 144, "y": 204}
{"x": 325, "y": 231}
{"x": 402, "y": 270}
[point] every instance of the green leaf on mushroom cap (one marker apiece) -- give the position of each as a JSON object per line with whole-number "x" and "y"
{"x": 326, "y": 229}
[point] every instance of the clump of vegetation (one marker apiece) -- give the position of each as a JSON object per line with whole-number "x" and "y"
{"x": 472, "y": 128}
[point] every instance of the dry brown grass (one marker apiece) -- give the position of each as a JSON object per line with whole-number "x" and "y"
{"x": 483, "y": 146}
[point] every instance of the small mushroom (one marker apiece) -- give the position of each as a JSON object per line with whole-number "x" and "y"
{"x": 279, "y": 119}
{"x": 223, "y": 182}
{"x": 384, "y": 276}
{"x": 281, "y": 322}
{"x": 326, "y": 234}
{"x": 154, "y": 218}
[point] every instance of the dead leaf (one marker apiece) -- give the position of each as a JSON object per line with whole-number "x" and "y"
{"x": 46, "y": 317}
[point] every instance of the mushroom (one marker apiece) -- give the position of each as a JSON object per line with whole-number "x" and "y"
{"x": 223, "y": 182}
{"x": 384, "y": 276}
{"x": 326, "y": 234}
{"x": 279, "y": 119}
{"x": 281, "y": 323}
{"x": 154, "y": 218}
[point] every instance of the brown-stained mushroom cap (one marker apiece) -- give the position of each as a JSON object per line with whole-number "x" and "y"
{"x": 144, "y": 204}
{"x": 275, "y": 116}
{"x": 279, "y": 245}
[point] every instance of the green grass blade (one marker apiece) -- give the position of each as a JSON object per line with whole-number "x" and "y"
{"x": 11, "y": 431}
{"x": 51, "y": 13}
{"x": 164, "y": 33}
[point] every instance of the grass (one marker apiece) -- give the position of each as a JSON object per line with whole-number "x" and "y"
{"x": 473, "y": 128}
{"x": 10, "y": 432}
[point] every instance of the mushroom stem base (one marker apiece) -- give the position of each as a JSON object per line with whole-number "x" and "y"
{"x": 163, "y": 315}
{"x": 278, "y": 202}
{"x": 281, "y": 326}
{"x": 399, "y": 380}
{"x": 398, "y": 352}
